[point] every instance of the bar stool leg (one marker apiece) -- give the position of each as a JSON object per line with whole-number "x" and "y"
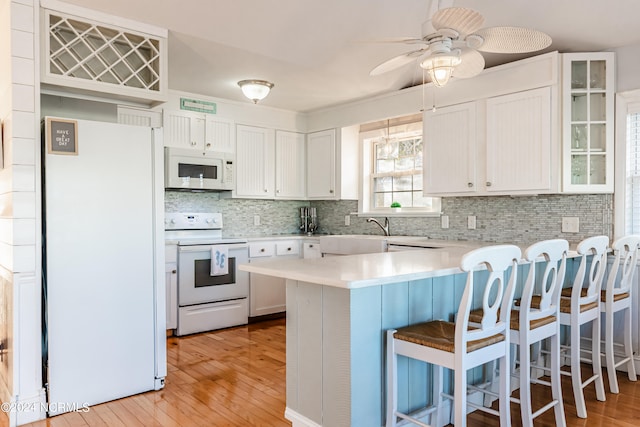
{"x": 631, "y": 367}
{"x": 609, "y": 351}
{"x": 596, "y": 359}
{"x": 525, "y": 386}
{"x": 392, "y": 385}
{"x": 576, "y": 376}
{"x": 460, "y": 397}
{"x": 556, "y": 389}
{"x": 438, "y": 372}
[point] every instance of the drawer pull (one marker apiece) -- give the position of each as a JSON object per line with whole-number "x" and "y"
{"x": 289, "y": 249}
{"x": 174, "y": 271}
{"x": 262, "y": 250}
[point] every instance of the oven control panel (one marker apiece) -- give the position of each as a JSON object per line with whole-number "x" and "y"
{"x": 193, "y": 221}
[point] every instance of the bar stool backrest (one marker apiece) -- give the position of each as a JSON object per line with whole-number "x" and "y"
{"x": 596, "y": 246}
{"x": 497, "y": 296}
{"x": 554, "y": 252}
{"x": 625, "y": 251}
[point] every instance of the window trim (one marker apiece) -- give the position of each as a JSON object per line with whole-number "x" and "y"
{"x": 626, "y": 103}
{"x": 365, "y": 199}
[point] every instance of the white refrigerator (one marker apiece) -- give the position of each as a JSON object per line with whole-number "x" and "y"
{"x": 103, "y": 238}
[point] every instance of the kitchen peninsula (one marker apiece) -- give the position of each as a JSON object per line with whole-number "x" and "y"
{"x": 337, "y": 311}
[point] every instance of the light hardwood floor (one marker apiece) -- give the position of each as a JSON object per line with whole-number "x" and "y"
{"x": 236, "y": 377}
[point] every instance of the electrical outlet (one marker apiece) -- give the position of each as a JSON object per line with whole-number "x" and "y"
{"x": 471, "y": 222}
{"x": 570, "y": 224}
{"x": 256, "y": 220}
{"x": 444, "y": 221}
{"x": 347, "y": 220}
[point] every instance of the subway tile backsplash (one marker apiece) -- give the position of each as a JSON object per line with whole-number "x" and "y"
{"x": 520, "y": 220}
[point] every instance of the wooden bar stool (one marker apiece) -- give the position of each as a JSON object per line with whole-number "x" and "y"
{"x": 537, "y": 319}
{"x": 458, "y": 346}
{"x": 617, "y": 298}
{"x": 582, "y": 308}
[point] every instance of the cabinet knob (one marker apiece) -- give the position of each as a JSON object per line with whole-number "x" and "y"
{"x": 289, "y": 249}
{"x": 331, "y": 191}
{"x": 262, "y": 250}
{"x": 278, "y": 191}
{"x": 310, "y": 246}
{"x": 470, "y": 184}
{"x": 265, "y": 190}
{"x": 193, "y": 143}
{"x": 208, "y": 145}
{"x": 174, "y": 271}
{"x": 488, "y": 183}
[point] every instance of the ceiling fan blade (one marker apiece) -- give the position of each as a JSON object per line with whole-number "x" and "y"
{"x": 405, "y": 40}
{"x": 472, "y": 64}
{"x": 512, "y": 40}
{"x": 396, "y": 62}
{"x": 460, "y": 19}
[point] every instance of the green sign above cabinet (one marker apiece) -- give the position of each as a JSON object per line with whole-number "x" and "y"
{"x": 199, "y": 106}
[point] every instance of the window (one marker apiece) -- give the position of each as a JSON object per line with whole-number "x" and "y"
{"x": 632, "y": 220}
{"x": 392, "y": 168}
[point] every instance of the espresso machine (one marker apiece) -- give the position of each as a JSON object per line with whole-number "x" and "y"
{"x": 308, "y": 220}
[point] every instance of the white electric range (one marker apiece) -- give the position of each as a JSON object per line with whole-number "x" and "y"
{"x": 208, "y": 298}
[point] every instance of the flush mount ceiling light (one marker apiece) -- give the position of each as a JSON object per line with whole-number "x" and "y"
{"x": 255, "y": 90}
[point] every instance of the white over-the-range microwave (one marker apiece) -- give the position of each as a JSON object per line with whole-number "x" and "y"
{"x": 196, "y": 170}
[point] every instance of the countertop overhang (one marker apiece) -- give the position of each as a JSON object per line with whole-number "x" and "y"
{"x": 358, "y": 271}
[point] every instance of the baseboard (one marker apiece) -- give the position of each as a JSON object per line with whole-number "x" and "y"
{"x": 26, "y": 409}
{"x": 299, "y": 420}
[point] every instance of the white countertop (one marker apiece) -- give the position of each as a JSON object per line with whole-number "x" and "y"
{"x": 357, "y": 271}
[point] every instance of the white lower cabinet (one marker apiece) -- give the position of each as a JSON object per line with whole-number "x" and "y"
{"x": 267, "y": 295}
{"x": 171, "y": 284}
{"x": 311, "y": 249}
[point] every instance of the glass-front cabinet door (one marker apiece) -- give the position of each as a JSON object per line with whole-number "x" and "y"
{"x": 588, "y": 106}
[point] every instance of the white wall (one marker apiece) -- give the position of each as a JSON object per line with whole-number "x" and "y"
{"x": 21, "y": 380}
{"x": 245, "y": 112}
{"x": 627, "y": 68}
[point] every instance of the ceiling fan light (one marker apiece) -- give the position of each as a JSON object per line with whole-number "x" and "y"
{"x": 440, "y": 67}
{"x": 255, "y": 90}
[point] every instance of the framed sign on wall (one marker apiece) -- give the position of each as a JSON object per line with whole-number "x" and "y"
{"x": 62, "y": 136}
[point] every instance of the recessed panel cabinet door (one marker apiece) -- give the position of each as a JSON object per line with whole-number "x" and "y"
{"x": 290, "y": 165}
{"x": 321, "y": 165}
{"x": 519, "y": 141}
{"x": 449, "y": 137}
{"x": 255, "y": 162}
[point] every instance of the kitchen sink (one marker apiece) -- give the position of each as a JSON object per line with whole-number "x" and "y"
{"x": 352, "y": 244}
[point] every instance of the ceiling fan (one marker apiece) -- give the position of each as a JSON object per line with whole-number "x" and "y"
{"x": 451, "y": 43}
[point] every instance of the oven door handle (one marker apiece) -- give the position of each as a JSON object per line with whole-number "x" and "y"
{"x": 200, "y": 248}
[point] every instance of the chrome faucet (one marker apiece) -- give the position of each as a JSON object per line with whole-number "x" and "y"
{"x": 384, "y": 228}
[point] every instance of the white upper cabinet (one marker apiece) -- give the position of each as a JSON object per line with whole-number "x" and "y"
{"x": 139, "y": 117}
{"x": 519, "y": 142}
{"x": 290, "y": 165}
{"x": 450, "y": 152}
{"x": 198, "y": 131}
{"x": 321, "y": 165}
{"x": 497, "y": 146}
{"x": 103, "y": 58}
{"x": 588, "y": 89}
{"x": 255, "y": 162}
